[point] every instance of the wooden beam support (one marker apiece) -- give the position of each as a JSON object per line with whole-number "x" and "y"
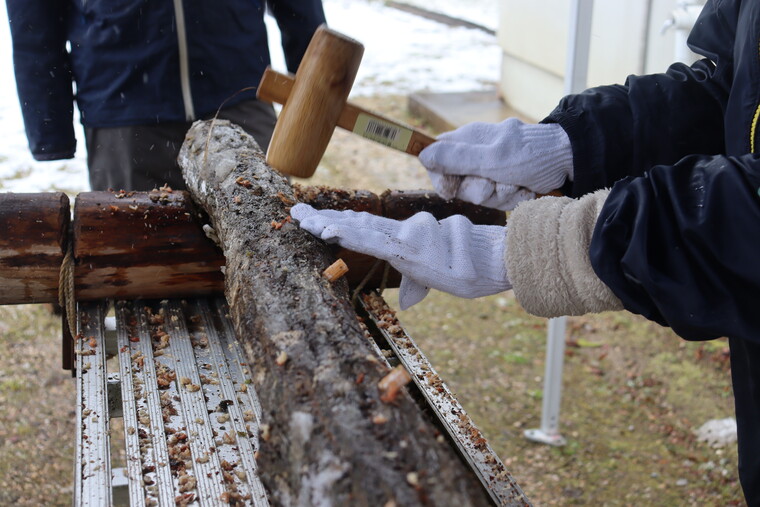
{"x": 152, "y": 244}
{"x": 142, "y": 245}
{"x": 33, "y": 230}
{"x": 402, "y": 204}
{"x": 396, "y": 204}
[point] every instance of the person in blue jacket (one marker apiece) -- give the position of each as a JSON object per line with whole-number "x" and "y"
{"x": 143, "y": 71}
{"x": 660, "y": 214}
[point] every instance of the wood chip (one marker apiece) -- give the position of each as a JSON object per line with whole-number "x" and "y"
{"x": 391, "y": 384}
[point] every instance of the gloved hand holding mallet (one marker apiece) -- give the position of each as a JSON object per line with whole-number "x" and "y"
{"x": 315, "y": 102}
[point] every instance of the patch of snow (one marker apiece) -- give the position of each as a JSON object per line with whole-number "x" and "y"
{"x": 482, "y": 12}
{"x": 718, "y": 432}
{"x": 301, "y": 426}
{"x": 317, "y": 483}
{"x": 404, "y": 53}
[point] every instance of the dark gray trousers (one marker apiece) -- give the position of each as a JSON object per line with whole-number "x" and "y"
{"x": 144, "y": 157}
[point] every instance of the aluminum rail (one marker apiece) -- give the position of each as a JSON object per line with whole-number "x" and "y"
{"x": 466, "y": 437}
{"x": 190, "y": 420}
{"x": 179, "y": 380}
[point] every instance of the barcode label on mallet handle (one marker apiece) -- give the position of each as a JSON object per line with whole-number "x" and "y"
{"x": 383, "y": 132}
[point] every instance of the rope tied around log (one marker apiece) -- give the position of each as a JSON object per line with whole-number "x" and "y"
{"x": 66, "y": 296}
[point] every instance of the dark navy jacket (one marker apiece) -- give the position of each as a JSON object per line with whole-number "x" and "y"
{"x": 678, "y": 239}
{"x": 129, "y": 63}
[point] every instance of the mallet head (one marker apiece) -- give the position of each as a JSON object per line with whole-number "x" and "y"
{"x": 310, "y": 114}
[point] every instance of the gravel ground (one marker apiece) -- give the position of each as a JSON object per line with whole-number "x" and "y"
{"x": 36, "y": 410}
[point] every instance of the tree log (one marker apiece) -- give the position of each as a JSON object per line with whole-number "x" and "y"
{"x": 401, "y": 204}
{"x": 328, "y": 438}
{"x": 33, "y": 232}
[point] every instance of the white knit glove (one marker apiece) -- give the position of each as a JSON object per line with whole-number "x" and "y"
{"x": 451, "y": 255}
{"x": 499, "y": 164}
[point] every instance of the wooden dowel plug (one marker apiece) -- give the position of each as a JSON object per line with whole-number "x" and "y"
{"x": 335, "y": 271}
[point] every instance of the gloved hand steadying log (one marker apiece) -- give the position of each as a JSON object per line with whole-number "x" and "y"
{"x": 452, "y": 255}
{"x": 499, "y": 164}
{"x": 542, "y": 254}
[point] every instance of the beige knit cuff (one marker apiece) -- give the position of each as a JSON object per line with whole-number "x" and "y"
{"x": 547, "y": 256}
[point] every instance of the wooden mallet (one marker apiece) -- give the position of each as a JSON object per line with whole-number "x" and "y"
{"x": 315, "y": 101}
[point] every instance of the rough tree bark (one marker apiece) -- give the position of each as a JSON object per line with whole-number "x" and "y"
{"x": 327, "y": 437}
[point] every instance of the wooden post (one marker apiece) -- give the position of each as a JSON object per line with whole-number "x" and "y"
{"x": 327, "y": 436}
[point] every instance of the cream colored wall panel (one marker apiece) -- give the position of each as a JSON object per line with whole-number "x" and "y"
{"x": 618, "y": 36}
{"x": 627, "y": 38}
{"x": 531, "y": 91}
{"x": 535, "y": 31}
{"x": 660, "y": 45}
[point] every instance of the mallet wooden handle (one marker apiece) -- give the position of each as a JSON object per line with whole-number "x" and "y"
{"x": 276, "y": 87}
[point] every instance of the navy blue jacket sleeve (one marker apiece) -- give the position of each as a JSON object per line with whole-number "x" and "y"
{"x": 623, "y": 130}
{"x": 43, "y": 76}
{"x": 680, "y": 245}
{"x": 297, "y": 20}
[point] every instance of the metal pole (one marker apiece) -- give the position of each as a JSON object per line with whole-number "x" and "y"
{"x": 549, "y": 433}
{"x": 576, "y": 71}
{"x": 578, "y": 43}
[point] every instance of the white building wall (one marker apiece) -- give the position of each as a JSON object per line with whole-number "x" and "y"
{"x": 626, "y": 39}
